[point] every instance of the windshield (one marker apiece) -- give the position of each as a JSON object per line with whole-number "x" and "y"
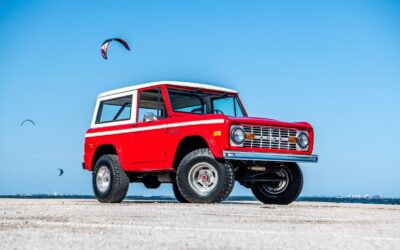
{"x": 201, "y": 102}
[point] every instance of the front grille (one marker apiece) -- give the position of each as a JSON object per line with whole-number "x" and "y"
{"x": 270, "y": 138}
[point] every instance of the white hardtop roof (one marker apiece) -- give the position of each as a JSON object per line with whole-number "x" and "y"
{"x": 173, "y": 83}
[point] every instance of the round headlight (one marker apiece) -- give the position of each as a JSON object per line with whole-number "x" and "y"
{"x": 237, "y": 135}
{"x": 302, "y": 140}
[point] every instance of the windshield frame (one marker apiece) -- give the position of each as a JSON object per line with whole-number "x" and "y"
{"x": 208, "y": 107}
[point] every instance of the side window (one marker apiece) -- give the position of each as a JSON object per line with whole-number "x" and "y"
{"x": 151, "y": 105}
{"x": 118, "y": 109}
{"x": 186, "y": 102}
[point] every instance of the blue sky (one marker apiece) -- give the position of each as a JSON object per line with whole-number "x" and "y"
{"x": 335, "y": 64}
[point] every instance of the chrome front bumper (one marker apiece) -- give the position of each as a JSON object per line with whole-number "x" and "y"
{"x": 253, "y": 156}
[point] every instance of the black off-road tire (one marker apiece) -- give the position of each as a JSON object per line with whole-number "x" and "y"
{"x": 119, "y": 180}
{"x": 223, "y": 187}
{"x": 179, "y": 197}
{"x": 289, "y": 194}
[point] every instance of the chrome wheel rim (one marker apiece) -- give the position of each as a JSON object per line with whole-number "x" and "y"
{"x": 278, "y": 186}
{"x": 203, "y": 177}
{"x": 103, "y": 178}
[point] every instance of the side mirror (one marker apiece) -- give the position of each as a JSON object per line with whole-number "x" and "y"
{"x": 148, "y": 117}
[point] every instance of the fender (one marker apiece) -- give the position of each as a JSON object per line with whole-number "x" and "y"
{"x": 214, "y": 143}
{"x": 105, "y": 141}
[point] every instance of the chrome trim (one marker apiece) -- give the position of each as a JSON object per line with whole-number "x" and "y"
{"x": 235, "y": 143}
{"x": 297, "y": 136}
{"x": 203, "y": 177}
{"x": 255, "y": 156}
{"x": 268, "y": 137}
{"x": 308, "y": 139}
{"x": 232, "y": 143}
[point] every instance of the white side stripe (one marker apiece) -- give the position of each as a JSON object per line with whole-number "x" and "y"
{"x": 172, "y": 125}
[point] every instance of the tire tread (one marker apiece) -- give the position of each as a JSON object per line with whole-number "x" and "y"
{"x": 120, "y": 183}
{"x": 227, "y": 186}
{"x": 284, "y": 198}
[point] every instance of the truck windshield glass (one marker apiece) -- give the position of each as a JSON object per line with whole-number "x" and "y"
{"x": 201, "y": 102}
{"x": 228, "y": 105}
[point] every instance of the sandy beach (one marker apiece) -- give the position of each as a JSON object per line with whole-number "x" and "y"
{"x": 87, "y": 224}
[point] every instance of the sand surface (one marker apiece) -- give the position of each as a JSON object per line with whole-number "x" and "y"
{"x": 87, "y": 224}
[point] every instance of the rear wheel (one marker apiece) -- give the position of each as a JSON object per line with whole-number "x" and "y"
{"x": 110, "y": 182}
{"x": 283, "y": 191}
{"x": 200, "y": 178}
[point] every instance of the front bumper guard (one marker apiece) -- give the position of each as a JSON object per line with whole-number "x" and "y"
{"x": 254, "y": 156}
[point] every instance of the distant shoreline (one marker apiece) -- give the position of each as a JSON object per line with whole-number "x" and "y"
{"x": 384, "y": 201}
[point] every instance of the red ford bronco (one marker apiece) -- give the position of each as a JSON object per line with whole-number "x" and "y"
{"x": 197, "y": 137}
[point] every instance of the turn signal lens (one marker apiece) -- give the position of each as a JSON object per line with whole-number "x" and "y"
{"x": 250, "y": 136}
{"x": 217, "y": 133}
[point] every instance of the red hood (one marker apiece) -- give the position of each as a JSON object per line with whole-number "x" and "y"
{"x": 269, "y": 122}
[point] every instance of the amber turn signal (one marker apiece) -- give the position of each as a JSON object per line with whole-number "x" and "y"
{"x": 217, "y": 133}
{"x": 292, "y": 139}
{"x": 250, "y": 136}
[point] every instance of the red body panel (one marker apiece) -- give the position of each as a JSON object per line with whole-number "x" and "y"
{"x": 154, "y": 149}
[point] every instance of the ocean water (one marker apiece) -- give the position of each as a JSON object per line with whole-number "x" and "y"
{"x": 387, "y": 201}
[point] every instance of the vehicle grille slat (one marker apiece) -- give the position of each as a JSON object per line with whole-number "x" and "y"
{"x": 270, "y": 138}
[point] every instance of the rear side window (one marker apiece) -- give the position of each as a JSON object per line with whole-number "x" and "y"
{"x": 118, "y": 109}
{"x": 151, "y": 102}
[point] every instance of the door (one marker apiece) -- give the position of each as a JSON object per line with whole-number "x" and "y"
{"x": 149, "y": 136}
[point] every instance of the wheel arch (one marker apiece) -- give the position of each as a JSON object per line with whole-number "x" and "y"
{"x": 103, "y": 150}
{"x": 186, "y": 145}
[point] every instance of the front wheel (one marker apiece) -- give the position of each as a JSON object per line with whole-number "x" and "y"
{"x": 110, "y": 182}
{"x": 179, "y": 197}
{"x": 202, "y": 179}
{"x": 283, "y": 191}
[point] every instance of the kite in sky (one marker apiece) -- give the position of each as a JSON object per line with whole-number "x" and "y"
{"x": 106, "y": 44}
{"x": 61, "y": 171}
{"x": 29, "y": 121}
